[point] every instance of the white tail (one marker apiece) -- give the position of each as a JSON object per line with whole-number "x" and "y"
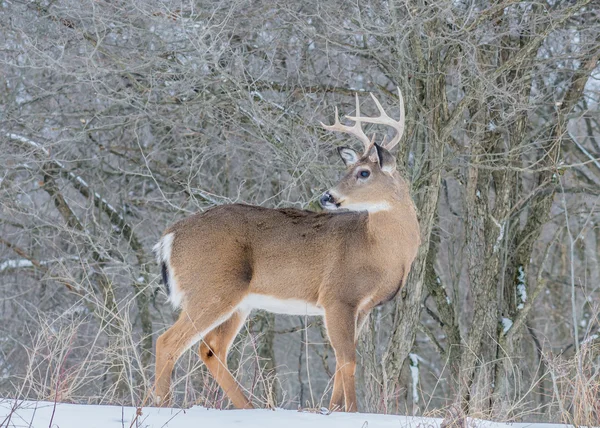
{"x": 339, "y": 264}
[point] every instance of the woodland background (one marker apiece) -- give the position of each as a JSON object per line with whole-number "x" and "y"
{"x": 117, "y": 118}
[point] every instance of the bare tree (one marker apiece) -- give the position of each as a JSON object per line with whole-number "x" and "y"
{"x": 118, "y": 119}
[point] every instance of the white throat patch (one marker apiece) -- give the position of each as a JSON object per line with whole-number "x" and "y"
{"x": 371, "y": 208}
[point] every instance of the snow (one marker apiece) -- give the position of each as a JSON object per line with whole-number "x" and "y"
{"x": 24, "y": 263}
{"x": 43, "y": 414}
{"x": 590, "y": 339}
{"x": 28, "y": 141}
{"x": 81, "y": 181}
{"x": 500, "y": 234}
{"x": 46, "y": 414}
{"x": 76, "y": 310}
{"x": 109, "y": 206}
{"x": 506, "y": 324}
{"x": 15, "y": 264}
{"x": 414, "y": 373}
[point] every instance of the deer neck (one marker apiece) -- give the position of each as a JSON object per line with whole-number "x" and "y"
{"x": 398, "y": 219}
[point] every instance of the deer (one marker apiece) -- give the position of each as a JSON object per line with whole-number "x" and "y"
{"x": 340, "y": 263}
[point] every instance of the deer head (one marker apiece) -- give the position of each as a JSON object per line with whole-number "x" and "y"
{"x": 371, "y": 182}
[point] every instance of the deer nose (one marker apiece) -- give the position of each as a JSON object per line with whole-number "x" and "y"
{"x": 327, "y": 198}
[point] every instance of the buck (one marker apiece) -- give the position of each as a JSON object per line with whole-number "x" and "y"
{"x": 220, "y": 264}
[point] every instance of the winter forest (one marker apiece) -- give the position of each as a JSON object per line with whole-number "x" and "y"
{"x": 119, "y": 118}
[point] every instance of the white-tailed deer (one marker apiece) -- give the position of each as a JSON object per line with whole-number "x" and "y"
{"x": 220, "y": 264}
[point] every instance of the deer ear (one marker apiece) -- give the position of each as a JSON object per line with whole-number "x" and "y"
{"x": 387, "y": 162}
{"x": 349, "y": 156}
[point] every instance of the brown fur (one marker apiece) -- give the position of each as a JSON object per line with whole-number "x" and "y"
{"x": 343, "y": 262}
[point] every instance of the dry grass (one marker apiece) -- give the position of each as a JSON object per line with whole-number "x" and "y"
{"x": 70, "y": 360}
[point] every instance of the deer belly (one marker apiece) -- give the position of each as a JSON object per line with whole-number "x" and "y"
{"x": 280, "y": 306}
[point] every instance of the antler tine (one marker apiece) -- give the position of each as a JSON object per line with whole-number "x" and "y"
{"x": 384, "y": 119}
{"x": 371, "y": 144}
{"x": 401, "y": 121}
{"x": 355, "y": 129}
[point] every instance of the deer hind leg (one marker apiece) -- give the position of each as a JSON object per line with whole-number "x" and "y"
{"x": 213, "y": 351}
{"x": 186, "y": 331}
{"x": 341, "y": 327}
{"x": 361, "y": 320}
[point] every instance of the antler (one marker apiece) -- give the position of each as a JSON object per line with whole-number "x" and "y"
{"x": 355, "y": 130}
{"x": 384, "y": 119}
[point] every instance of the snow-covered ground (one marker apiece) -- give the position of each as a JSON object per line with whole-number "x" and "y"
{"x": 45, "y": 414}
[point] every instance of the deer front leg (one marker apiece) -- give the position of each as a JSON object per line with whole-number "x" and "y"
{"x": 337, "y": 396}
{"x": 336, "y": 404}
{"x": 340, "y": 321}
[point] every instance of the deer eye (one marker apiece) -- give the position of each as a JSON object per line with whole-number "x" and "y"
{"x": 364, "y": 174}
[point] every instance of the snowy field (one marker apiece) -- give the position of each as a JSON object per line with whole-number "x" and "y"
{"x": 46, "y": 414}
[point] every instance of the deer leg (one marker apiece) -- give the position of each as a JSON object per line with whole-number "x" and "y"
{"x": 363, "y": 317}
{"x": 341, "y": 327}
{"x": 336, "y": 404}
{"x": 337, "y": 396}
{"x": 213, "y": 351}
{"x": 186, "y": 331}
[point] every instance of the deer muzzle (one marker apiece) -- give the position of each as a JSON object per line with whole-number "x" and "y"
{"x": 328, "y": 202}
